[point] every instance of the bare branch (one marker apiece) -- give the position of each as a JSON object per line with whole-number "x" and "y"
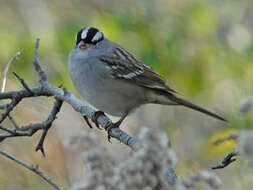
{"x": 22, "y": 82}
{"x": 5, "y": 129}
{"x": 29, "y": 130}
{"x": 10, "y": 107}
{"x": 228, "y": 159}
{"x": 33, "y": 168}
{"x": 4, "y": 74}
{"x": 37, "y": 91}
{"x": 49, "y": 121}
{"x": 13, "y": 122}
{"x": 36, "y": 63}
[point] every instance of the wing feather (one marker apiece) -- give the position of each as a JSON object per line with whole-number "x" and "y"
{"x": 126, "y": 67}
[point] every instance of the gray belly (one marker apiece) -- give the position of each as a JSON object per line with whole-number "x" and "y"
{"x": 112, "y": 96}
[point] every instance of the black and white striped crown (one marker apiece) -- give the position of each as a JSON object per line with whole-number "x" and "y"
{"x": 89, "y": 35}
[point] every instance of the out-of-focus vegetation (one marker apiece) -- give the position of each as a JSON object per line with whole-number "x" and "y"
{"x": 204, "y": 49}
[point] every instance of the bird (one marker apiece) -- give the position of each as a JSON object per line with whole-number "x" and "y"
{"x": 114, "y": 81}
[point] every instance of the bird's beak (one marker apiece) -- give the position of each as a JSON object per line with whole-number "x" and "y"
{"x": 82, "y": 45}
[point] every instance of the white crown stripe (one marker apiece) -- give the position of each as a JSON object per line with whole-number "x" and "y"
{"x": 84, "y": 33}
{"x": 121, "y": 69}
{"x": 97, "y": 37}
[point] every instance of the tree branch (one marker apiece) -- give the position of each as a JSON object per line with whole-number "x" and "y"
{"x": 34, "y": 168}
{"x": 22, "y": 81}
{"x": 4, "y": 74}
{"x": 49, "y": 121}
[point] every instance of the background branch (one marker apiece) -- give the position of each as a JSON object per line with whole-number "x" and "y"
{"x": 34, "y": 168}
{"x": 5, "y": 71}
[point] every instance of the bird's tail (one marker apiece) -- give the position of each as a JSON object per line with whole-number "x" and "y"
{"x": 188, "y": 104}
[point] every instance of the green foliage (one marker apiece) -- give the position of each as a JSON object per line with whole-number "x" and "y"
{"x": 203, "y": 49}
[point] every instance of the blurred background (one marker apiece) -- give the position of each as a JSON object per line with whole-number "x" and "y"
{"x": 204, "y": 50}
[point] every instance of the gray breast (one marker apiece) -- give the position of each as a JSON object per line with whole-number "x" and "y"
{"x": 94, "y": 82}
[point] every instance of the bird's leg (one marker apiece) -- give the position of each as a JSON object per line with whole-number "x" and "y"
{"x": 115, "y": 125}
{"x": 107, "y": 128}
{"x": 96, "y": 116}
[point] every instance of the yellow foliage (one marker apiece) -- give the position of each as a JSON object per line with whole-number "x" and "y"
{"x": 223, "y": 147}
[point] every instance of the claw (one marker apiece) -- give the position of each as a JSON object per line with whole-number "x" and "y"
{"x": 109, "y": 138}
{"x": 87, "y": 121}
{"x": 110, "y": 127}
{"x": 96, "y": 116}
{"x": 113, "y": 125}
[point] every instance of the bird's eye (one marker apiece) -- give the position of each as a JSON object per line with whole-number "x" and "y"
{"x": 83, "y": 45}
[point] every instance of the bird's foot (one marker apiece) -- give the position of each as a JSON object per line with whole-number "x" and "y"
{"x": 110, "y": 127}
{"x": 96, "y": 116}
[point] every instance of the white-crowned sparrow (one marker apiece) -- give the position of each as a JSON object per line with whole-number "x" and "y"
{"x": 114, "y": 81}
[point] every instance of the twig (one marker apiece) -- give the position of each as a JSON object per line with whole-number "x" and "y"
{"x": 33, "y": 168}
{"x": 10, "y": 107}
{"x": 29, "y": 130}
{"x": 4, "y": 74}
{"x": 228, "y": 159}
{"x": 36, "y": 63}
{"x": 22, "y": 81}
{"x": 49, "y": 121}
{"x": 6, "y": 129}
{"x": 13, "y": 122}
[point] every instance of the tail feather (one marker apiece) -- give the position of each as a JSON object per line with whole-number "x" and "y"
{"x": 188, "y": 104}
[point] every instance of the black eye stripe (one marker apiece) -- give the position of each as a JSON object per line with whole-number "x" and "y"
{"x": 79, "y": 36}
{"x": 90, "y": 34}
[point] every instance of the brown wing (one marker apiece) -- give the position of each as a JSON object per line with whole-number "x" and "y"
{"x": 126, "y": 67}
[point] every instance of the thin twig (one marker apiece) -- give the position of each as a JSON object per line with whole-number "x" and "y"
{"x": 4, "y": 74}
{"x": 36, "y": 63}
{"x": 33, "y": 168}
{"x": 14, "y": 123}
{"x": 29, "y": 130}
{"x": 10, "y": 107}
{"x": 49, "y": 121}
{"x": 22, "y": 81}
{"x": 6, "y": 129}
{"x": 37, "y": 91}
{"x": 228, "y": 159}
